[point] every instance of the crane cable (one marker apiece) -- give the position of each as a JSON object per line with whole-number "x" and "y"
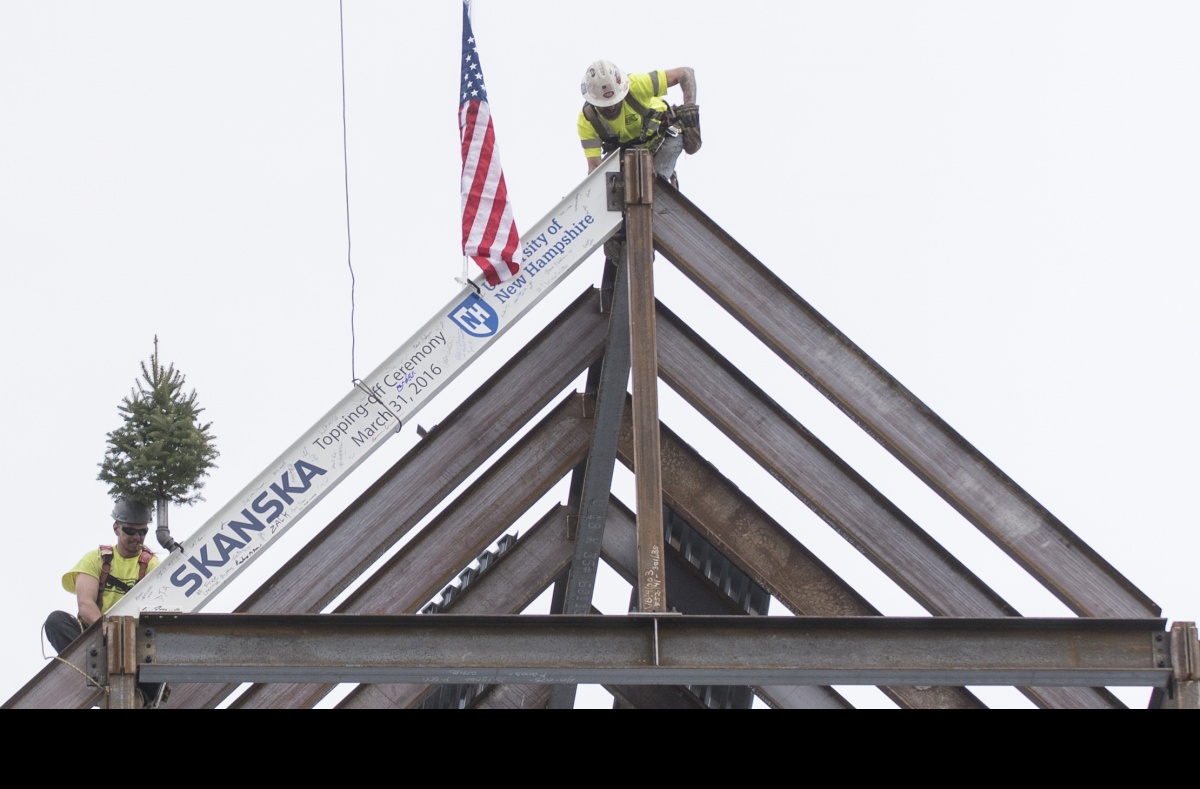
{"x": 346, "y": 184}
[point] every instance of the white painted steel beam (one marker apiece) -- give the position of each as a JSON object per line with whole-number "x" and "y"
{"x": 375, "y": 410}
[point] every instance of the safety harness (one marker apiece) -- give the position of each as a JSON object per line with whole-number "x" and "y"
{"x": 652, "y": 121}
{"x": 106, "y": 557}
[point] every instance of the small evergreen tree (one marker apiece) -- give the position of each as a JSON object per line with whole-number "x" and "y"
{"x": 161, "y": 452}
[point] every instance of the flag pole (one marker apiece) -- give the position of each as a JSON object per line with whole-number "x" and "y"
{"x": 465, "y": 279}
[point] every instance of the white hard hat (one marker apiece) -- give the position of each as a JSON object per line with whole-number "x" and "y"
{"x": 604, "y": 84}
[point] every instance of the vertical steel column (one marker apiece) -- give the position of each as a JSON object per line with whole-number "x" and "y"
{"x": 595, "y": 479}
{"x": 638, "y": 176}
{"x": 1184, "y": 690}
{"x": 122, "y": 663}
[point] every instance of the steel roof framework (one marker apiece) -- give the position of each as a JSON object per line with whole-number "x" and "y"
{"x": 724, "y": 554}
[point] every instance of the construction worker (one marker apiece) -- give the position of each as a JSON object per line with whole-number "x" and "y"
{"x": 103, "y": 576}
{"x": 628, "y": 110}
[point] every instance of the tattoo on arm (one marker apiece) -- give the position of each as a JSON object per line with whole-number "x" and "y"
{"x": 687, "y": 81}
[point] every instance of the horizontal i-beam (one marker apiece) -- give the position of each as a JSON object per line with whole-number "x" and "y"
{"x": 653, "y": 650}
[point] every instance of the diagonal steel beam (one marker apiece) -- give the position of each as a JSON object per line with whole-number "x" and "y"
{"x": 746, "y": 534}
{"x": 620, "y": 551}
{"x": 460, "y": 533}
{"x": 654, "y": 697}
{"x": 514, "y": 697}
{"x": 598, "y": 471}
{"x": 424, "y": 477}
{"x": 833, "y": 490}
{"x": 770, "y": 555}
{"x": 73, "y": 680}
{"x": 822, "y": 480}
{"x": 592, "y": 481}
{"x": 890, "y": 413}
{"x": 474, "y": 521}
{"x": 540, "y": 556}
{"x": 426, "y": 474}
{"x": 801, "y": 697}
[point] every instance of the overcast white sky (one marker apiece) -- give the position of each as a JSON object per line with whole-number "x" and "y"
{"x": 997, "y": 201}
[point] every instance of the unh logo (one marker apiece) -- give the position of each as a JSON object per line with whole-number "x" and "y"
{"x": 475, "y": 317}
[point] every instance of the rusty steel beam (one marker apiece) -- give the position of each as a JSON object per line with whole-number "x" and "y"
{"x": 488, "y": 418}
{"x": 540, "y": 556}
{"x": 837, "y": 493}
{"x": 746, "y": 534}
{"x": 514, "y": 697}
{"x": 893, "y": 415}
{"x": 475, "y": 520}
{"x": 1183, "y": 692}
{"x": 427, "y": 473}
{"x": 818, "y": 477}
{"x": 637, "y": 170}
{"x": 383, "y": 696}
{"x": 776, "y": 560}
{"x": 802, "y": 697}
{"x": 620, "y": 551}
{"x": 74, "y": 680}
{"x": 123, "y": 662}
{"x": 687, "y": 592}
{"x": 650, "y": 649}
{"x": 654, "y": 697}
{"x": 465, "y": 529}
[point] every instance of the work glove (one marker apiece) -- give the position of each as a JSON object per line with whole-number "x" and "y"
{"x": 614, "y": 249}
{"x": 688, "y": 117}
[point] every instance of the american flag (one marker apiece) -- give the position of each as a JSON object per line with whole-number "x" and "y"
{"x": 489, "y": 236}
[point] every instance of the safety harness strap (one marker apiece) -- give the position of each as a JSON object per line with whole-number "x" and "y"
{"x": 652, "y": 121}
{"x": 106, "y": 555}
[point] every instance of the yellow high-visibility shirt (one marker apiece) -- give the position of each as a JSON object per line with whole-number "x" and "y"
{"x": 648, "y": 90}
{"x": 124, "y": 570}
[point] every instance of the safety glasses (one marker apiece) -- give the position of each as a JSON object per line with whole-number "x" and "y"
{"x": 134, "y": 532}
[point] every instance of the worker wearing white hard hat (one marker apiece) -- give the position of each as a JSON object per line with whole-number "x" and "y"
{"x": 629, "y": 111}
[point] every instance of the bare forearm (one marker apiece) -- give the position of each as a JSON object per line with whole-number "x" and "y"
{"x": 89, "y": 612}
{"x": 87, "y": 596}
{"x": 687, "y": 83}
